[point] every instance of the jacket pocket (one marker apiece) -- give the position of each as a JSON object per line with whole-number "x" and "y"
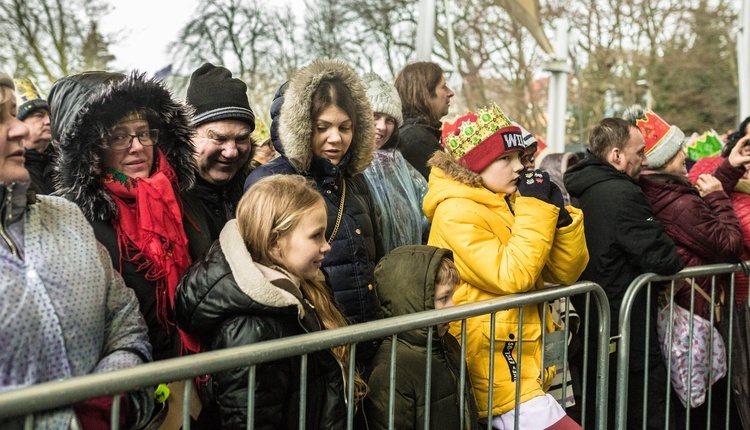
{"x": 507, "y": 346}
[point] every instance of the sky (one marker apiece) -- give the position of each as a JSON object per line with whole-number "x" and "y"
{"x": 143, "y": 29}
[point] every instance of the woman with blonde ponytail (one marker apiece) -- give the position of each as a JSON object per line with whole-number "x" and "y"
{"x": 260, "y": 281}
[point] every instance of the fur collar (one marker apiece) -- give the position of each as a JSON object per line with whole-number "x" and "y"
{"x": 454, "y": 170}
{"x": 84, "y": 106}
{"x": 249, "y": 275}
{"x": 295, "y": 124}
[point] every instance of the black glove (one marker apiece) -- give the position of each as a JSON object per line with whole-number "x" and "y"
{"x": 556, "y": 198}
{"x": 535, "y": 183}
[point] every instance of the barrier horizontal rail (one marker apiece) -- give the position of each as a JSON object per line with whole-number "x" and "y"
{"x": 624, "y": 332}
{"x": 56, "y": 394}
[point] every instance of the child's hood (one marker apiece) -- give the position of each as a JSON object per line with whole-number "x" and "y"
{"x": 405, "y": 283}
{"x": 448, "y": 179}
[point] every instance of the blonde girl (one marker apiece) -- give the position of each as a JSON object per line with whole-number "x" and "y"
{"x": 260, "y": 281}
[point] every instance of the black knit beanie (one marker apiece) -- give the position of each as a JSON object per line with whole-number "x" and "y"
{"x": 215, "y": 95}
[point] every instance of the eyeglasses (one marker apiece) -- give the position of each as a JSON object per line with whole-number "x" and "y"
{"x": 123, "y": 141}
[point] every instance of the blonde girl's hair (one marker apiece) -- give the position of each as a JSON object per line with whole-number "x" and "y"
{"x": 271, "y": 209}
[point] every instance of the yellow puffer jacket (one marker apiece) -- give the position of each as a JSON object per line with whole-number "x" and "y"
{"x": 499, "y": 253}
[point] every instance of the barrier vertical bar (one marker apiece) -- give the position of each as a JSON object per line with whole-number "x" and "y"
{"x": 711, "y": 353}
{"x": 350, "y": 387}
{"x": 690, "y": 353}
{"x": 670, "y": 336}
{"x": 29, "y": 422}
{"x": 251, "y": 397}
{"x": 729, "y": 345}
{"x": 114, "y": 416}
{"x": 646, "y": 355}
{"x": 602, "y": 362}
{"x": 519, "y": 343}
{"x": 566, "y": 332}
{"x": 462, "y": 377}
{"x": 544, "y": 336}
{"x": 187, "y": 391}
{"x": 585, "y": 373}
{"x": 392, "y": 386}
{"x": 491, "y": 386}
{"x": 303, "y": 391}
{"x": 428, "y": 380}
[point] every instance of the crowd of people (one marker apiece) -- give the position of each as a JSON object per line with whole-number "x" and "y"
{"x": 138, "y": 227}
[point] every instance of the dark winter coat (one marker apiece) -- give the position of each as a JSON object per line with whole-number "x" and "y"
{"x": 624, "y": 241}
{"x": 82, "y": 108}
{"x": 228, "y": 308}
{"x": 705, "y": 230}
{"x": 623, "y": 238}
{"x": 405, "y": 284}
{"x": 418, "y": 141}
{"x": 41, "y": 167}
{"x": 357, "y": 247}
{"x": 217, "y": 202}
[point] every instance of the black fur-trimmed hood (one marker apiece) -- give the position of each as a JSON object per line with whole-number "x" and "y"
{"x": 84, "y": 106}
{"x": 295, "y": 127}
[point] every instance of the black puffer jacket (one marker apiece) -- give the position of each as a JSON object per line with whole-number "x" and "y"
{"x": 405, "y": 283}
{"x": 357, "y": 247}
{"x": 418, "y": 141}
{"x": 227, "y": 308}
{"x": 82, "y": 108}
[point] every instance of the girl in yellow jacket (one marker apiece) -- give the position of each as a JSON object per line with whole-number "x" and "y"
{"x": 503, "y": 243}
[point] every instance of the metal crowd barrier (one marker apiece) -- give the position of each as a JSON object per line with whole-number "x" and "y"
{"x": 624, "y": 335}
{"x": 53, "y": 395}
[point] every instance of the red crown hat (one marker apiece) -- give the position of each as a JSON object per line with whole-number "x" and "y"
{"x": 476, "y": 139}
{"x": 662, "y": 140}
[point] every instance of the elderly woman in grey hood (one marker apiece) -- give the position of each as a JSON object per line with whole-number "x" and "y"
{"x": 326, "y": 130}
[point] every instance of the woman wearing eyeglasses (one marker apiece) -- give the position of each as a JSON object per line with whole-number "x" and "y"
{"x": 125, "y": 158}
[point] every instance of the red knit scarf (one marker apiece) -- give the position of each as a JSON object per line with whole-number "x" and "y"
{"x": 150, "y": 232}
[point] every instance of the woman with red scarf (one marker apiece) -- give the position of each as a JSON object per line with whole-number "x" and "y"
{"x": 125, "y": 159}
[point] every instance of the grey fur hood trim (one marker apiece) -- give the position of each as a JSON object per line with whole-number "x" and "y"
{"x": 295, "y": 127}
{"x": 251, "y": 279}
{"x": 84, "y": 106}
{"x": 455, "y": 171}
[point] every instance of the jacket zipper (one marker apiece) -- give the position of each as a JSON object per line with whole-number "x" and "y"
{"x": 6, "y": 209}
{"x": 510, "y": 206}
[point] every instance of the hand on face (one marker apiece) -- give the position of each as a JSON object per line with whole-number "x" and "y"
{"x": 707, "y": 184}
{"x": 740, "y": 154}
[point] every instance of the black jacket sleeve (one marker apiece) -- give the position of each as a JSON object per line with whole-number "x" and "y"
{"x": 642, "y": 237}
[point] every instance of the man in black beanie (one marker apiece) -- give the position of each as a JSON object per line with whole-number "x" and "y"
{"x": 223, "y": 146}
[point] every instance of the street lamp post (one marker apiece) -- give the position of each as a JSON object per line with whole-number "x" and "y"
{"x": 647, "y": 85}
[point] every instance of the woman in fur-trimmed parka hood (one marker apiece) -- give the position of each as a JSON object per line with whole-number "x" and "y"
{"x": 503, "y": 243}
{"x": 336, "y": 170}
{"x": 130, "y": 191}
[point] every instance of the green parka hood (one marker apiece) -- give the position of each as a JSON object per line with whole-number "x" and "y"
{"x": 405, "y": 284}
